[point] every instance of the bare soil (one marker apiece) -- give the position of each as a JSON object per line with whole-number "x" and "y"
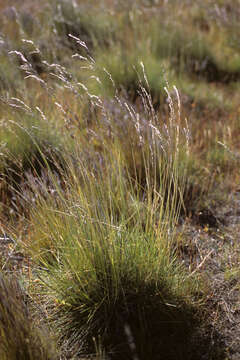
{"x": 214, "y": 253}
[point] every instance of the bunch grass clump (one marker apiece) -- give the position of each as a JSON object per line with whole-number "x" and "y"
{"x": 105, "y": 246}
{"x": 29, "y": 147}
{"x": 104, "y": 269}
{"x": 95, "y": 30}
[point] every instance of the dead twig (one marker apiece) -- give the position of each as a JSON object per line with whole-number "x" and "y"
{"x": 201, "y": 263}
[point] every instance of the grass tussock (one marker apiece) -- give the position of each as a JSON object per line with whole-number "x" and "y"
{"x": 110, "y": 235}
{"x": 28, "y": 150}
{"x": 121, "y": 276}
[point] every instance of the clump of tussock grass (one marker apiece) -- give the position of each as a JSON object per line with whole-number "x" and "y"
{"x": 119, "y": 275}
{"x": 21, "y": 338}
{"x": 94, "y": 28}
{"x": 107, "y": 242}
{"x": 28, "y": 150}
{"x": 189, "y": 53}
{"x": 193, "y": 50}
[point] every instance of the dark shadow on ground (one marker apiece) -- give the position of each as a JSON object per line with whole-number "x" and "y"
{"x": 164, "y": 333}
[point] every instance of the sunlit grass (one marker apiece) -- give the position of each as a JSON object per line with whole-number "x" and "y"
{"x": 107, "y": 256}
